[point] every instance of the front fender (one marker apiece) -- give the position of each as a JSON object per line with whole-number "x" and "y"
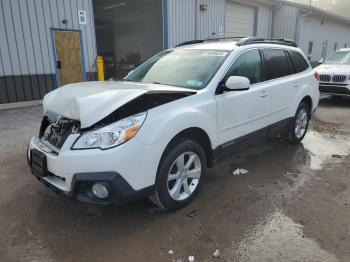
{"x": 165, "y": 122}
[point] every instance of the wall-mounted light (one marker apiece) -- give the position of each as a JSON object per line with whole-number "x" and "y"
{"x": 203, "y": 7}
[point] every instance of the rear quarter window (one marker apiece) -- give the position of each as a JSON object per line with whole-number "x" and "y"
{"x": 276, "y": 64}
{"x": 299, "y": 62}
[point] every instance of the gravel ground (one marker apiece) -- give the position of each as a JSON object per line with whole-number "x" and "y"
{"x": 292, "y": 205}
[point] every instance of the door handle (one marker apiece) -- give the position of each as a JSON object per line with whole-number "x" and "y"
{"x": 296, "y": 84}
{"x": 263, "y": 94}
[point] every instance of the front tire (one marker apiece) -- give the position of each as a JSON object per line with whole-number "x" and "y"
{"x": 179, "y": 174}
{"x": 299, "y": 124}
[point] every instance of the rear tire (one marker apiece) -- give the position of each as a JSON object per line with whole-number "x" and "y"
{"x": 179, "y": 174}
{"x": 299, "y": 124}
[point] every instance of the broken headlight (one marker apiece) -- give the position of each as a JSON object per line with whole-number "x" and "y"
{"x": 111, "y": 135}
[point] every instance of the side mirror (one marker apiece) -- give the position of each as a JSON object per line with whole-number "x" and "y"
{"x": 237, "y": 83}
{"x": 321, "y": 61}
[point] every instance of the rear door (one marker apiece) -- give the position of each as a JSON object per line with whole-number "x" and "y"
{"x": 281, "y": 81}
{"x": 243, "y": 112}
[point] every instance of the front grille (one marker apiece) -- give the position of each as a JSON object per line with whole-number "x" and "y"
{"x": 339, "y": 78}
{"x": 325, "y": 78}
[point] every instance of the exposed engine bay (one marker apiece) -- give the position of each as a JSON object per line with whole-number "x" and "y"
{"x": 55, "y": 129}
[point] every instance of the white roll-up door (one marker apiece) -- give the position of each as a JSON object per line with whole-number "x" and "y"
{"x": 239, "y": 20}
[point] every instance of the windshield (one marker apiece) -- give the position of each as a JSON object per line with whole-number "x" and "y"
{"x": 341, "y": 57}
{"x": 190, "y": 68}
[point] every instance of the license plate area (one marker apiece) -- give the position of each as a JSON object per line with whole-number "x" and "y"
{"x": 38, "y": 163}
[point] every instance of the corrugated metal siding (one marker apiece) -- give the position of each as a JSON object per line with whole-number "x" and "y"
{"x": 264, "y": 21}
{"x": 181, "y": 21}
{"x": 27, "y": 66}
{"x": 313, "y": 29}
{"x": 284, "y": 22}
{"x": 211, "y": 21}
{"x": 187, "y": 22}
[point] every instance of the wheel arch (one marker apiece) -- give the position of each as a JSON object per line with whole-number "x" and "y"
{"x": 308, "y": 101}
{"x": 198, "y": 135}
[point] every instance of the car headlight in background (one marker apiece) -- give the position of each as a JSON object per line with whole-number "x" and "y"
{"x": 111, "y": 135}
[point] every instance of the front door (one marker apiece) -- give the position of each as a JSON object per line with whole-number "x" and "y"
{"x": 243, "y": 112}
{"x": 68, "y": 57}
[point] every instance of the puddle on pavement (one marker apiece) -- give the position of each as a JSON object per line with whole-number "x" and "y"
{"x": 316, "y": 153}
{"x": 323, "y": 146}
{"x": 278, "y": 238}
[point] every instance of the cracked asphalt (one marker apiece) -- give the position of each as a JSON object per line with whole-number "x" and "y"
{"x": 292, "y": 205}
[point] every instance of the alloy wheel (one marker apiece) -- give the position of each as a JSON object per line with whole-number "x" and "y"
{"x": 301, "y": 123}
{"x": 184, "y": 175}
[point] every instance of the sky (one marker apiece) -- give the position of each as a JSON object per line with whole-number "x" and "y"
{"x": 340, "y": 7}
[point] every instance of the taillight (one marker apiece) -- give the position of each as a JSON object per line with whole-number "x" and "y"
{"x": 317, "y": 76}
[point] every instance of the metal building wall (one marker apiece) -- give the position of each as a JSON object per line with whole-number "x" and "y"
{"x": 27, "y": 66}
{"x": 264, "y": 20}
{"x": 181, "y": 21}
{"x": 322, "y": 31}
{"x": 210, "y": 23}
{"x": 284, "y": 22}
{"x": 187, "y": 22}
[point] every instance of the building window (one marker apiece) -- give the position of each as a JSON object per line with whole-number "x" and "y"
{"x": 335, "y": 47}
{"x": 311, "y": 44}
{"x": 324, "y": 49}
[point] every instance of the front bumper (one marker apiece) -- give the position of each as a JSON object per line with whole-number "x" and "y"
{"x": 73, "y": 172}
{"x": 335, "y": 89}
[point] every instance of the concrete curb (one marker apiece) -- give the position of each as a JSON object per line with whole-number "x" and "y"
{"x": 20, "y": 104}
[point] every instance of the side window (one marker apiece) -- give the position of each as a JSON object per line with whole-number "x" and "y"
{"x": 299, "y": 62}
{"x": 248, "y": 65}
{"x": 276, "y": 63}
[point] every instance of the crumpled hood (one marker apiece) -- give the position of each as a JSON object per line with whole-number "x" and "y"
{"x": 333, "y": 69}
{"x": 89, "y": 102}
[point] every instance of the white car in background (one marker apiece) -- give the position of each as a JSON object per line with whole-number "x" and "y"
{"x": 335, "y": 73}
{"x": 156, "y": 133}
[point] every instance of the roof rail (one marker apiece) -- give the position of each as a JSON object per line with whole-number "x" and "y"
{"x": 191, "y": 42}
{"x": 245, "y": 41}
{"x": 258, "y": 40}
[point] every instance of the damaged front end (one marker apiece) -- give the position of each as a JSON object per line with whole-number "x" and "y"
{"x": 55, "y": 129}
{"x": 114, "y": 129}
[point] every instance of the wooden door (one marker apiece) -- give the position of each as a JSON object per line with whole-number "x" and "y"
{"x": 68, "y": 56}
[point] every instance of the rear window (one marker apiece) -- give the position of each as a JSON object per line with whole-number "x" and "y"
{"x": 276, "y": 63}
{"x": 299, "y": 62}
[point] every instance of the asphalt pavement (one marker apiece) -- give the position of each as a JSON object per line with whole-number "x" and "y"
{"x": 293, "y": 204}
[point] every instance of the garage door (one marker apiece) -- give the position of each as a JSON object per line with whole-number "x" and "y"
{"x": 239, "y": 20}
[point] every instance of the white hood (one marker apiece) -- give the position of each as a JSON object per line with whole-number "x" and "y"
{"x": 90, "y": 102}
{"x": 333, "y": 69}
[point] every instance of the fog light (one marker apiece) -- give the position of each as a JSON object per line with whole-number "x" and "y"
{"x": 99, "y": 190}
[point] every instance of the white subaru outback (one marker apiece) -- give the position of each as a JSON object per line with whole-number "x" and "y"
{"x": 156, "y": 132}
